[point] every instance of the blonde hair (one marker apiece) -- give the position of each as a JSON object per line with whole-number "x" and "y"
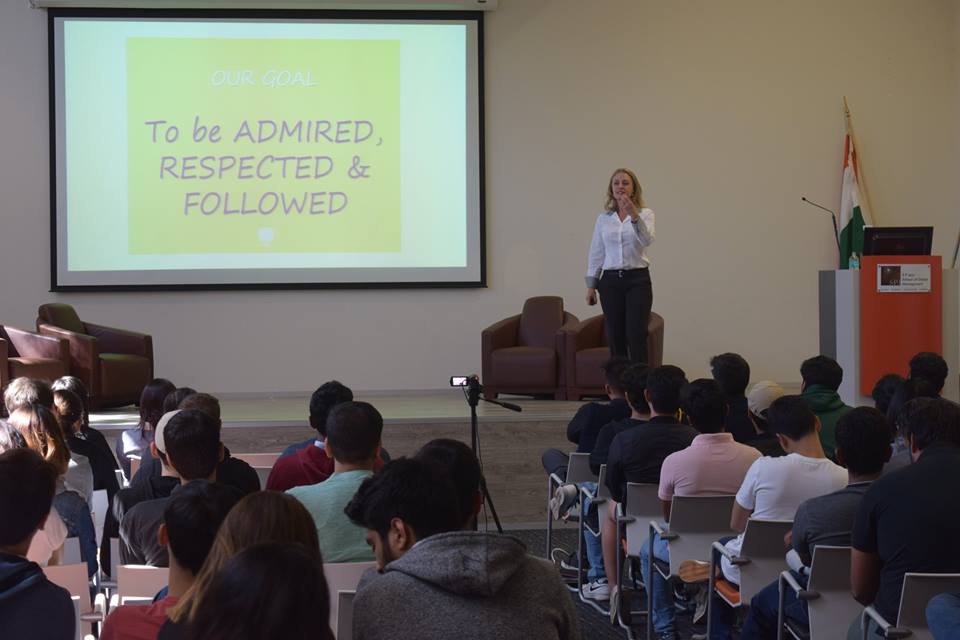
{"x": 42, "y": 433}
{"x": 610, "y": 204}
{"x": 265, "y": 516}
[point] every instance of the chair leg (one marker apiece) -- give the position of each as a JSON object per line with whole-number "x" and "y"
{"x": 710, "y": 587}
{"x": 649, "y": 584}
{"x": 781, "y": 583}
{"x": 549, "y": 554}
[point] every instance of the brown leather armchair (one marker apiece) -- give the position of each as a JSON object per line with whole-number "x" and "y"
{"x": 524, "y": 353}
{"x": 31, "y": 355}
{"x": 115, "y": 364}
{"x": 587, "y": 349}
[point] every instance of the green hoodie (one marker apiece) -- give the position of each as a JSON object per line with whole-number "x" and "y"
{"x": 828, "y": 406}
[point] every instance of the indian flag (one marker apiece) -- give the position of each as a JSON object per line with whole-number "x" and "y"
{"x": 852, "y": 216}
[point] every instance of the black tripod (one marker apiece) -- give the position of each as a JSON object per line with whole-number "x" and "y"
{"x": 473, "y": 393}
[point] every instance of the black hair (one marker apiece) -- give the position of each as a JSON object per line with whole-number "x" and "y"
{"x": 27, "y": 483}
{"x": 792, "y": 417}
{"x": 613, "y": 370}
{"x": 732, "y": 373}
{"x": 863, "y": 439}
{"x": 173, "y": 399}
{"x": 192, "y": 442}
{"x": 269, "y": 590}
{"x": 706, "y": 405}
{"x": 326, "y": 397}
{"x": 152, "y": 399}
{"x": 663, "y": 385}
{"x": 10, "y": 438}
{"x": 75, "y": 384}
{"x": 931, "y": 367}
{"x": 884, "y": 389}
{"x": 353, "y": 432}
{"x": 201, "y": 402}
{"x": 634, "y": 384}
{"x": 457, "y": 463}
{"x": 823, "y": 371}
{"x": 906, "y": 391}
{"x": 931, "y": 420}
{"x": 192, "y": 516}
{"x": 414, "y": 491}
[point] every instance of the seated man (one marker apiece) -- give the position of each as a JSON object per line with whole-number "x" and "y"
{"x": 592, "y": 416}
{"x": 909, "y": 520}
{"x": 436, "y": 581}
{"x": 190, "y": 522}
{"x": 775, "y": 487}
{"x": 636, "y": 455}
{"x": 453, "y": 459}
{"x": 761, "y": 396}
{"x": 230, "y": 471}
{"x": 821, "y": 379}
{"x": 353, "y": 441}
{"x": 863, "y": 446}
{"x": 930, "y": 368}
{"x": 732, "y": 373}
{"x": 713, "y": 465}
{"x": 30, "y": 605}
{"x": 304, "y": 465}
{"x": 188, "y": 445}
{"x": 634, "y": 386}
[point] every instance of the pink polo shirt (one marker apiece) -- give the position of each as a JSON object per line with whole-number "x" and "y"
{"x": 713, "y": 465}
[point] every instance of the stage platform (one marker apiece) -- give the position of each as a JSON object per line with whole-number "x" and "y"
{"x": 511, "y": 443}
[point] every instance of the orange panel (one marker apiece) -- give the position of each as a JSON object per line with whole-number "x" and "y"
{"x": 895, "y": 326}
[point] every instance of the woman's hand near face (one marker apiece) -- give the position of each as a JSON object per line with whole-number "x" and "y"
{"x": 627, "y": 206}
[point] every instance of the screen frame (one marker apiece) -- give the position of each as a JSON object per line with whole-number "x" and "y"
{"x": 873, "y": 236}
{"x": 259, "y": 14}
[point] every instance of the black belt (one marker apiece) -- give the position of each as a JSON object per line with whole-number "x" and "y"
{"x": 623, "y": 273}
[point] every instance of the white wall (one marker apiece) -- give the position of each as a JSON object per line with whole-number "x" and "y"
{"x": 729, "y": 111}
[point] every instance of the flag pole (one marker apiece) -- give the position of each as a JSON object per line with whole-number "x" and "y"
{"x": 861, "y": 176}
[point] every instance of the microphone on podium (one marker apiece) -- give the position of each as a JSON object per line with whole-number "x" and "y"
{"x": 833, "y": 217}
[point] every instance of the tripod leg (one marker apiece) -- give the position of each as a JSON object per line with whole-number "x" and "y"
{"x": 493, "y": 510}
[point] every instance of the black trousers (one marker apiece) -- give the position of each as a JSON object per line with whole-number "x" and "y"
{"x": 626, "y": 298}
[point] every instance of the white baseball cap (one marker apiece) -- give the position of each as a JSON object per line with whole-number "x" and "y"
{"x": 762, "y": 394}
{"x": 158, "y": 432}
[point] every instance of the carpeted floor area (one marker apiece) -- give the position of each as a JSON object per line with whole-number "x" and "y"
{"x": 595, "y": 626}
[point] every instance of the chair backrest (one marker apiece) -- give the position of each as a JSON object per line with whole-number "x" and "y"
{"x": 344, "y": 628}
{"x": 578, "y": 469}
{"x": 263, "y": 473}
{"x": 763, "y": 545}
{"x": 134, "y": 466}
{"x": 539, "y": 321}
{"x": 61, "y": 315}
{"x": 101, "y": 502}
{"x": 342, "y": 576}
{"x": 140, "y": 581}
{"x": 71, "y": 551}
{"x": 73, "y": 578}
{"x": 643, "y": 505}
{"x": 603, "y": 491}
{"x": 918, "y": 589}
{"x": 697, "y": 521}
{"x": 830, "y": 577}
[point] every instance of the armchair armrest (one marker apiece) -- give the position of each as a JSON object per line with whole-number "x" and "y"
{"x": 729, "y": 555}
{"x": 501, "y": 334}
{"x": 663, "y": 532}
{"x": 889, "y": 631}
{"x": 113, "y": 340}
{"x": 31, "y": 344}
{"x": 586, "y": 334}
{"x": 84, "y": 355}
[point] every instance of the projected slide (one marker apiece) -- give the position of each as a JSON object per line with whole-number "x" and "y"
{"x": 205, "y": 153}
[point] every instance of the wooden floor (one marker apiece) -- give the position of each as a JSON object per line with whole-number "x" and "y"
{"x": 510, "y": 443}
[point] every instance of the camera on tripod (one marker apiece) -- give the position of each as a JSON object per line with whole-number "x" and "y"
{"x": 464, "y": 381}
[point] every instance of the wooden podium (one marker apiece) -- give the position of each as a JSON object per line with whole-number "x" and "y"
{"x": 873, "y": 320}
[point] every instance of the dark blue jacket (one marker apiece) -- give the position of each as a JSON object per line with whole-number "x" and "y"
{"x": 30, "y": 605}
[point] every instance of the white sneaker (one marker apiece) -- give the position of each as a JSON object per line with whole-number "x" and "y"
{"x": 563, "y": 498}
{"x": 596, "y": 590}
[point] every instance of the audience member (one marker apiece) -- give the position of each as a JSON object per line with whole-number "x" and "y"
{"x": 289, "y": 598}
{"x": 821, "y": 379}
{"x": 905, "y": 392}
{"x": 230, "y": 471}
{"x": 190, "y": 522}
{"x": 353, "y": 441}
{"x": 173, "y": 399}
{"x": 929, "y": 367}
{"x": 636, "y": 455}
{"x": 310, "y": 465}
{"x": 775, "y": 487}
{"x": 863, "y": 446}
{"x": 189, "y": 447}
{"x": 634, "y": 386}
{"x": 25, "y": 392}
{"x": 30, "y": 605}
{"x": 884, "y": 389}
{"x": 943, "y": 616}
{"x": 265, "y": 516}
{"x": 713, "y": 465}
{"x": 42, "y": 433}
{"x": 81, "y": 437}
{"x": 909, "y": 520}
{"x": 133, "y": 442}
{"x": 453, "y": 459}
{"x": 761, "y": 396}
{"x": 480, "y": 582}
{"x": 732, "y": 373}
{"x": 324, "y": 398}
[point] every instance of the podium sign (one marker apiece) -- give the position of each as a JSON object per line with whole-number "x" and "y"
{"x": 903, "y": 278}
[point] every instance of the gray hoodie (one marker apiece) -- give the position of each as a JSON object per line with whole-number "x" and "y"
{"x": 464, "y": 584}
